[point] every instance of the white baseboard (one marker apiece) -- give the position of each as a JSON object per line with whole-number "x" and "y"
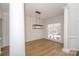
{"x": 56, "y": 41}
{"x": 33, "y": 40}
{"x": 67, "y": 50}
{"x": 74, "y": 49}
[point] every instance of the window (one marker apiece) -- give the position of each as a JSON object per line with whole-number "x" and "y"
{"x": 54, "y": 31}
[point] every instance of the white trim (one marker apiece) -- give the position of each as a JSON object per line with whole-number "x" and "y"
{"x": 57, "y": 41}
{"x": 74, "y": 49}
{"x": 66, "y": 50}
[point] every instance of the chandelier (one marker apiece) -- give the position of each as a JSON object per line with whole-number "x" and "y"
{"x": 37, "y": 25}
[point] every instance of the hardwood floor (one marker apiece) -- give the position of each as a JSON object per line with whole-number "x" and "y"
{"x": 42, "y": 47}
{"x": 5, "y": 51}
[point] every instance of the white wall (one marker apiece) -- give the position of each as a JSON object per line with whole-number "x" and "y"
{"x": 72, "y": 23}
{"x": 16, "y": 29}
{"x": 32, "y": 34}
{"x": 57, "y": 19}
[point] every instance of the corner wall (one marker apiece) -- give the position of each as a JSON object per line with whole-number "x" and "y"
{"x": 56, "y": 19}
{"x": 32, "y": 34}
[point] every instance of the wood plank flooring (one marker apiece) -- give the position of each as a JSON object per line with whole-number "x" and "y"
{"x": 44, "y": 47}
{"x": 5, "y": 51}
{"x": 41, "y": 47}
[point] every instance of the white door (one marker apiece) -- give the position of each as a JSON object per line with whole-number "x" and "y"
{"x": 73, "y": 26}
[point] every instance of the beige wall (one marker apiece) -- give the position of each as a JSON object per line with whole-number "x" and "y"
{"x": 5, "y": 27}
{"x": 0, "y": 34}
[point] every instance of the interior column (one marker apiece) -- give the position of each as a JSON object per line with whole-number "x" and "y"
{"x": 66, "y": 28}
{"x": 16, "y": 30}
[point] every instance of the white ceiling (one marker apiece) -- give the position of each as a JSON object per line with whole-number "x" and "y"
{"x": 4, "y": 7}
{"x": 47, "y": 9}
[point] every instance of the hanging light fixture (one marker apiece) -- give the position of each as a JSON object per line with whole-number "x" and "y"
{"x": 37, "y": 25}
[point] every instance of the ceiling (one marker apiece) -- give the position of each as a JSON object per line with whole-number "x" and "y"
{"x": 4, "y": 7}
{"x": 47, "y": 9}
